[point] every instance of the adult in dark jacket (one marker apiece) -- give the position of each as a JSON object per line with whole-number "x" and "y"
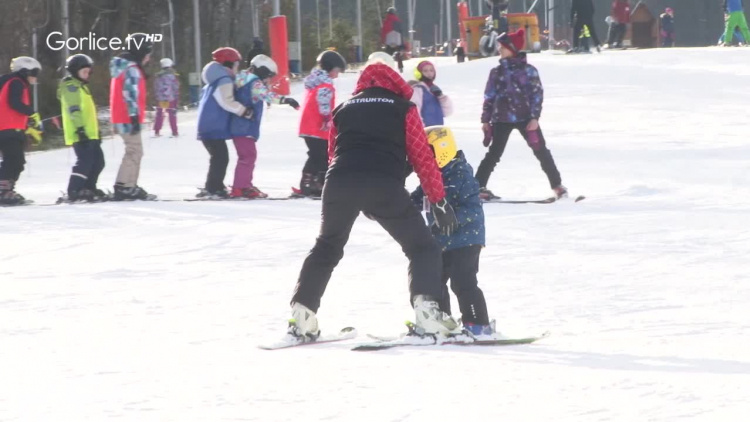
{"x": 373, "y": 136}
{"x": 582, "y": 13}
{"x": 462, "y": 248}
{"x": 255, "y": 51}
{"x": 16, "y": 115}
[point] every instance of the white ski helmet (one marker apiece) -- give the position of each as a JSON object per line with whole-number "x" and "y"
{"x": 24, "y": 62}
{"x": 381, "y": 57}
{"x": 264, "y": 66}
{"x": 166, "y": 62}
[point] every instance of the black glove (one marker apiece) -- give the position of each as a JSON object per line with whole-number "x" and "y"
{"x": 136, "y": 125}
{"x": 81, "y": 135}
{"x": 436, "y": 91}
{"x": 290, "y": 102}
{"x": 445, "y": 217}
{"x": 248, "y": 114}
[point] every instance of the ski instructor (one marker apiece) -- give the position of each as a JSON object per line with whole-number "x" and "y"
{"x": 373, "y": 135}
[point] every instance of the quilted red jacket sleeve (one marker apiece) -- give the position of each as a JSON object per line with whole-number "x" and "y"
{"x": 421, "y": 158}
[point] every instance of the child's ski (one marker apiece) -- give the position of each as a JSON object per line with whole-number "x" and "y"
{"x": 288, "y": 341}
{"x": 382, "y": 343}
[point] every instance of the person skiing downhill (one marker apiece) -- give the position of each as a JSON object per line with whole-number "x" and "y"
{"x": 316, "y": 118}
{"x": 167, "y": 88}
{"x": 127, "y": 102}
{"x": 373, "y": 135}
{"x": 462, "y": 248}
{"x": 251, "y": 90}
{"x": 513, "y": 100}
{"x": 217, "y": 105}
{"x": 433, "y": 105}
{"x": 17, "y": 119}
{"x": 81, "y": 128}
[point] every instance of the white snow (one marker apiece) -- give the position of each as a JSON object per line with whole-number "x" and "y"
{"x": 153, "y": 311}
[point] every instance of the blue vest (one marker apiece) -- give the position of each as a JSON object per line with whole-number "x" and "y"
{"x": 734, "y": 6}
{"x": 240, "y": 126}
{"x": 432, "y": 113}
{"x": 213, "y": 121}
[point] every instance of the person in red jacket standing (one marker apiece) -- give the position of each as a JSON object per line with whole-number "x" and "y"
{"x": 620, "y": 17}
{"x": 373, "y": 136}
{"x": 127, "y": 102}
{"x": 316, "y": 121}
{"x": 16, "y": 115}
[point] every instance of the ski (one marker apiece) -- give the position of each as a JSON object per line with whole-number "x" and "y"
{"x": 297, "y": 194}
{"x": 346, "y": 333}
{"x": 383, "y": 343}
{"x": 549, "y": 200}
{"x": 19, "y": 204}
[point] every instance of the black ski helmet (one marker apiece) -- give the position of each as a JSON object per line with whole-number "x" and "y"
{"x": 329, "y": 60}
{"x": 139, "y": 45}
{"x": 77, "y": 62}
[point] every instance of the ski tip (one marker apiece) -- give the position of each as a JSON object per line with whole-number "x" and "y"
{"x": 580, "y": 198}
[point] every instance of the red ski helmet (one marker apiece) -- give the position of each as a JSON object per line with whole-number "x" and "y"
{"x": 226, "y": 55}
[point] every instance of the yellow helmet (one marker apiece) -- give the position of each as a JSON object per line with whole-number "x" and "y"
{"x": 443, "y": 143}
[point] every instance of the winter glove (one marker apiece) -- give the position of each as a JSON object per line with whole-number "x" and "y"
{"x": 81, "y": 135}
{"x": 136, "y": 125}
{"x": 445, "y": 217}
{"x": 290, "y": 102}
{"x": 36, "y": 120}
{"x": 487, "y": 129}
{"x": 35, "y": 133}
{"x": 436, "y": 91}
{"x": 248, "y": 114}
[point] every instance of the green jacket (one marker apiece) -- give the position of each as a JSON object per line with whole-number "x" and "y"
{"x": 78, "y": 110}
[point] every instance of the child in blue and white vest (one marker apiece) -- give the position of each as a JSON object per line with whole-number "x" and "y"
{"x": 433, "y": 105}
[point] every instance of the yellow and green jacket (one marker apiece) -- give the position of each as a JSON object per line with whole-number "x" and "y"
{"x": 78, "y": 110}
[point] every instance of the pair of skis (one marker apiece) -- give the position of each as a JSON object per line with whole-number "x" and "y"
{"x": 383, "y": 343}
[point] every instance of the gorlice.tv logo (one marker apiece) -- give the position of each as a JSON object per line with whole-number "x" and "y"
{"x": 56, "y": 42}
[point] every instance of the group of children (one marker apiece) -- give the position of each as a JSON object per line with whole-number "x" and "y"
{"x": 232, "y": 106}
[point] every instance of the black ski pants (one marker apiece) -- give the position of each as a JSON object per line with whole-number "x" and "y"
{"x": 88, "y": 167}
{"x": 388, "y": 203}
{"x": 578, "y": 27}
{"x": 317, "y": 156}
{"x": 217, "y": 167}
{"x": 12, "y": 143}
{"x": 461, "y": 266}
{"x": 500, "y": 135}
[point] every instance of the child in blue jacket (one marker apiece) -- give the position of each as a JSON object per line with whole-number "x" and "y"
{"x": 461, "y": 248}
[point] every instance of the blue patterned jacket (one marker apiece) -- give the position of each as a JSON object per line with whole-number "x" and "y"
{"x": 462, "y": 192}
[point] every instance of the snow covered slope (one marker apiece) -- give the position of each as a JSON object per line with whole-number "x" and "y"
{"x": 152, "y": 311}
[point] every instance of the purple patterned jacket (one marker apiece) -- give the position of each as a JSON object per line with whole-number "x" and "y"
{"x": 513, "y": 93}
